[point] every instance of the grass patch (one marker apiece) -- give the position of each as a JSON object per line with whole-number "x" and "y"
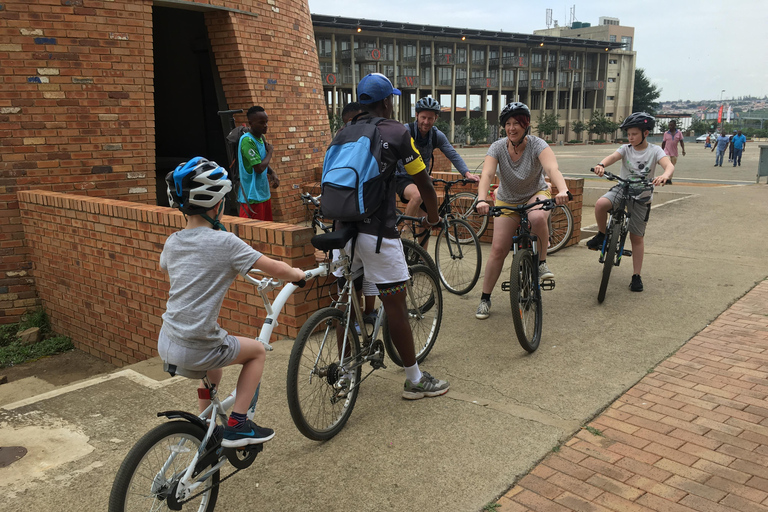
{"x": 593, "y": 431}
{"x": 491, "y": 507}
{"x": 13, "y": 353}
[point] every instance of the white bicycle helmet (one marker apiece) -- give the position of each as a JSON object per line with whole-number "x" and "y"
{"x": 198, "y": 185}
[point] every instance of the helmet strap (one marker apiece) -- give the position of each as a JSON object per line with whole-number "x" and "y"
{"x": 215, "y": 222}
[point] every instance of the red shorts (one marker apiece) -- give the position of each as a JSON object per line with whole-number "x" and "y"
{"x": 258, "y": 211}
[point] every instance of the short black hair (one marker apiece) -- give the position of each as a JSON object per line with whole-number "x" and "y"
{"x": 350, "y": 108}
{"x": 254, "y": 109}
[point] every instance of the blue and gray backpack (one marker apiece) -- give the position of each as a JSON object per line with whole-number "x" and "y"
{"x": 353, "y": 185}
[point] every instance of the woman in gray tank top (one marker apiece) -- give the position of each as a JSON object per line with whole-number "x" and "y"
{"x": 523, "y": 160}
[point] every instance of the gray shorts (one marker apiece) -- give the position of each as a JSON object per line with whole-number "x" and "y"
{"x": 639, "y": 212}
{"x": 196, "y": 358}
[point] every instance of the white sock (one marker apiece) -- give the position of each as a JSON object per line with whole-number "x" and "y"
{"x": 413, "y": 374}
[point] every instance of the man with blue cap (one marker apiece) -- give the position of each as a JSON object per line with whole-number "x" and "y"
{"x": 387, "y": 268}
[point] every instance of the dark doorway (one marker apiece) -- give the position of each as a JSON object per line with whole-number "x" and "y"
{"x": 187, "y": 89}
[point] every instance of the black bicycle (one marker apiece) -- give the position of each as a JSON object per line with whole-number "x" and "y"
{"x": 458, "y": 255}
{"x": 617, "y": 227}
{"x": 524, "y": 286}
{"x": 414, "y": 253}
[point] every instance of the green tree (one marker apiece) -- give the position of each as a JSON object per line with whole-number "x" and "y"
{"x": 579, "y": 127}
{"x": 548, "y": 124}
{"x": 477, "y": 128}
{"x": 646, "y": 94}
{"x": 700, "y": 127}
{"x": 600, "y": 125}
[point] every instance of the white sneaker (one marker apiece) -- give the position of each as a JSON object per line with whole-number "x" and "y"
{"x": 544, "y": 272}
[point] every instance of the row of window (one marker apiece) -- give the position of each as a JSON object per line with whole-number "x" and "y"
{"x": 445, "y": 74}
{"x": 385, "y": 52}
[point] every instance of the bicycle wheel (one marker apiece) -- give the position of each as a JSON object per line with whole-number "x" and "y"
{"x": 143, "y": 481}
{"x": 320, "y": 410}
{"x": 458, "y": 265}
{"x": 463, "y": 206}
{"x": 525, "y": 298}
{"x": 560, "y": 228}
{"x": 424, "y": 301}
{"x": 612, "y": 240}
{"x": 417, "y": 255}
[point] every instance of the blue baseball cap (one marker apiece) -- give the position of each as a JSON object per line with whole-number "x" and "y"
{"x": 375, "y": 87}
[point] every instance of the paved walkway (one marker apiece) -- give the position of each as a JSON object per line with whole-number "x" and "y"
{"x": 690, "y": 436}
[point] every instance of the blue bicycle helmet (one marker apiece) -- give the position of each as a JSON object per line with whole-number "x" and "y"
{"x": 430, "y": 104}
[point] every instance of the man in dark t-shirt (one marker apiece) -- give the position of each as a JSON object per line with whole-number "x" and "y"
{"x": 386, "y": 267}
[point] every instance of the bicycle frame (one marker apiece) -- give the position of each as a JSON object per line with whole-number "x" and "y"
{"x": 619, "y": 216}
{"x": 217, "y": 408}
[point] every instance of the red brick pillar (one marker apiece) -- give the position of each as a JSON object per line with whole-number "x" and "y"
{"x": 271, "y": 60}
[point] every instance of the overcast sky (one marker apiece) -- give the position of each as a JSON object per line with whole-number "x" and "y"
{"x": 690, "y": 49}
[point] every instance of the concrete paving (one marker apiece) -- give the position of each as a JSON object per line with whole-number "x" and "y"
{"x": 506, "y": 409}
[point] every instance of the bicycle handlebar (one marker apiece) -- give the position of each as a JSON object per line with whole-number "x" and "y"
{"x": 610, "y": 176}
{"x": 307, "y": 198}
{"x": 451, "y": 182}
{"x": 546, "y": 204}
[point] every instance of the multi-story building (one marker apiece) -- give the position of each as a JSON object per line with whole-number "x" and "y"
{"x": 607, "y": 29}
{"x": 567, "y": 76}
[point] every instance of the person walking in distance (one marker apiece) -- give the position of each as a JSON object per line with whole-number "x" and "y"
{"x": 670, "y": 140}
{"x": 720, "y": 145}
{"x": 730, "y": 146}
{"x": 739, "y": 144}
{"x": 254, "y": 154}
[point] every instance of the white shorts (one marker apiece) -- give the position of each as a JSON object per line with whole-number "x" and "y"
{"x": 386, "y": 267}
{"x": 369, "y": 289}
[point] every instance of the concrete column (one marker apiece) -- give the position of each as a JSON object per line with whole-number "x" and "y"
{"x": 352, "y": 66}
{"x": 581, "y": 94}
{"x": 570, "y": 106}
{"x": 528, "y": 93}
{"x": 498, "y": 93}
{"x": 484, "y": 99}
{"x": 453, "y": 91}
{"x": 418, "y": 68}
{"x": 469, "y": 65}
{"x": 597, "y": 77}
{"x": 434, "y": 76}
{"x": 333, "y": 69}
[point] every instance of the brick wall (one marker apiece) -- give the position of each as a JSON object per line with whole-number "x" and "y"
{"x": 97, "y": 265}
{"x": 77, "y": 107}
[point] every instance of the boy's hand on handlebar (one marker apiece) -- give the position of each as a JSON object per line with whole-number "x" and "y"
{"x": 298, "y": 275}
{"x": 660, "y": 180}
{"x": 599, "y": 170}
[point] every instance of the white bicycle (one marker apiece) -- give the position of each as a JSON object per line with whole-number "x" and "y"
{"x": 179, "y": 464}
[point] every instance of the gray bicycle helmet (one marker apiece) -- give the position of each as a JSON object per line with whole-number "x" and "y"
{"x": 513, "y": 109}
{"x": 428, "y": 104}
{"x": 639, "y": 120}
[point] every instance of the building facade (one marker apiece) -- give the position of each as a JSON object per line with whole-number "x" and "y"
{"x": 104, "y": 97}
{"x": 567, "y": 77}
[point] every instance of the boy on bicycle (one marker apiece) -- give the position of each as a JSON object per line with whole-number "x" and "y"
{"x": 638, "y": 160}
{"x": 202, "y": 261}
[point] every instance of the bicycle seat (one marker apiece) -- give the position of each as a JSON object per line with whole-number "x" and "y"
{"x": 336, "y": 240}
{"x": 190, "y": 374}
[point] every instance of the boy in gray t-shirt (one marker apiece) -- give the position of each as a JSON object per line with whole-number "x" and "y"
{"x": 202, "y": 261}
{"x": 638, "y": 160}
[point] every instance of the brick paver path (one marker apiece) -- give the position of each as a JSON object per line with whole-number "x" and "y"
{"x": 690, "y": 436}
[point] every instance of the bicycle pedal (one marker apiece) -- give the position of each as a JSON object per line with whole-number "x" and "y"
{"x": 627, "y": 252}
{"x": 505, "y": 286}
{"x": 547, "y": 284}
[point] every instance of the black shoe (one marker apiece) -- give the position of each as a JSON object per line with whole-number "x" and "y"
{"x": 637, "y": 284}
{"x": 596, "y": 242}
{"x": 248, "y": 433}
